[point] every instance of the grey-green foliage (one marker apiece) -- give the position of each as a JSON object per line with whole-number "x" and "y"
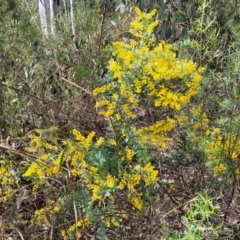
{"x": 205, "y": 23}
{"x": 221, "y": 57}
{"x": 34, "y": 92}
{"x": 16, "y": 34}
{"x": 214, "y": 44}
{"x": 176, "y": 17}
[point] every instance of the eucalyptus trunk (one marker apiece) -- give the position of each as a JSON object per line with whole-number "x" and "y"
{"x": 47, "y": 12}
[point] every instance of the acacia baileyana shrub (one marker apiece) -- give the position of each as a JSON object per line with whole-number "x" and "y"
{"x": 145, "y": 72}
{"x": 117, "y": 166}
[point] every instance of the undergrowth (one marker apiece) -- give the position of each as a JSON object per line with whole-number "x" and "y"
{"x": 124, "y": 136}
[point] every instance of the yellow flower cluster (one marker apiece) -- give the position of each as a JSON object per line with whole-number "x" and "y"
{"x": 45, "y": 145}
{"x": 76, "y": 154}
{"x": 131, "y": 181}
{"x": 76, "y": 229}
{"x": 142, "y": 27}
{"x": 202, "y": 121}
{"x": 98, "y": 185}
{"x": 46, "y": 140}
{"x": 156, "y": 135}
{"x": 149, "y": 174}
{"x": 44, "y": 215}
{"x": 49, "y": 164}
{"x": 100, "y": 141}
{"x": 136, "y": 200}
{"x": 144, "y": 69}
{"x": 8, "y": 179}
{"x": 223, "y": 151}
{"x": 113, "y": 220}
{"x": 110, "y": 220}
{"x": 7, "y": 174}
{"x": 129, "y": 153}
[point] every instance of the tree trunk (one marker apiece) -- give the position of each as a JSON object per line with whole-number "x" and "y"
{"x": 72, "y": 17}
{"x": 48, "y": 14}
{"x": 47, "y": 11}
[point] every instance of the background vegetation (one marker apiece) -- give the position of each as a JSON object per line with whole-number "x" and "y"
{"x": 127, "y": 130}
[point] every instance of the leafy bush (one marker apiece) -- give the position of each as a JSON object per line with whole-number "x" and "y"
{"x": 128, "y": 127}
{"x": 117, "y": 166}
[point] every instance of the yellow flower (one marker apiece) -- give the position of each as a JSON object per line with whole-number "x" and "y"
{"x": 112, "y": 142}
{"x": 219, "y": 169}
{"x": 110, "y": 181}
{"x": 150, "y": 175}
{"x": 78, "y": 135}
{"x": 99, "y": 141}
{"x": 136, "y": 200}
{"x": 129, "y": 153}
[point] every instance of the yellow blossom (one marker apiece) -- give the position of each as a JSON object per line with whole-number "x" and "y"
{"x": 110, "y": 181}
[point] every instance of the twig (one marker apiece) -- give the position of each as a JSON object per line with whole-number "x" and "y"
{"x": 19, "y": 233}
{"x": 179, "y": 207}
{"x": 113, "y": 128}
{"x": 102, "y": 23}
{"x": 77, "y": 86}
{"x": 25, "y": 155}
{"x": 16, "y": 151}
{"x": 75, "y": 214}
{"x": 171, "y": 198}
{"x": 49, "y": 103}
{"x": 33, "y": 16}
{"x": 23, "y": 92}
